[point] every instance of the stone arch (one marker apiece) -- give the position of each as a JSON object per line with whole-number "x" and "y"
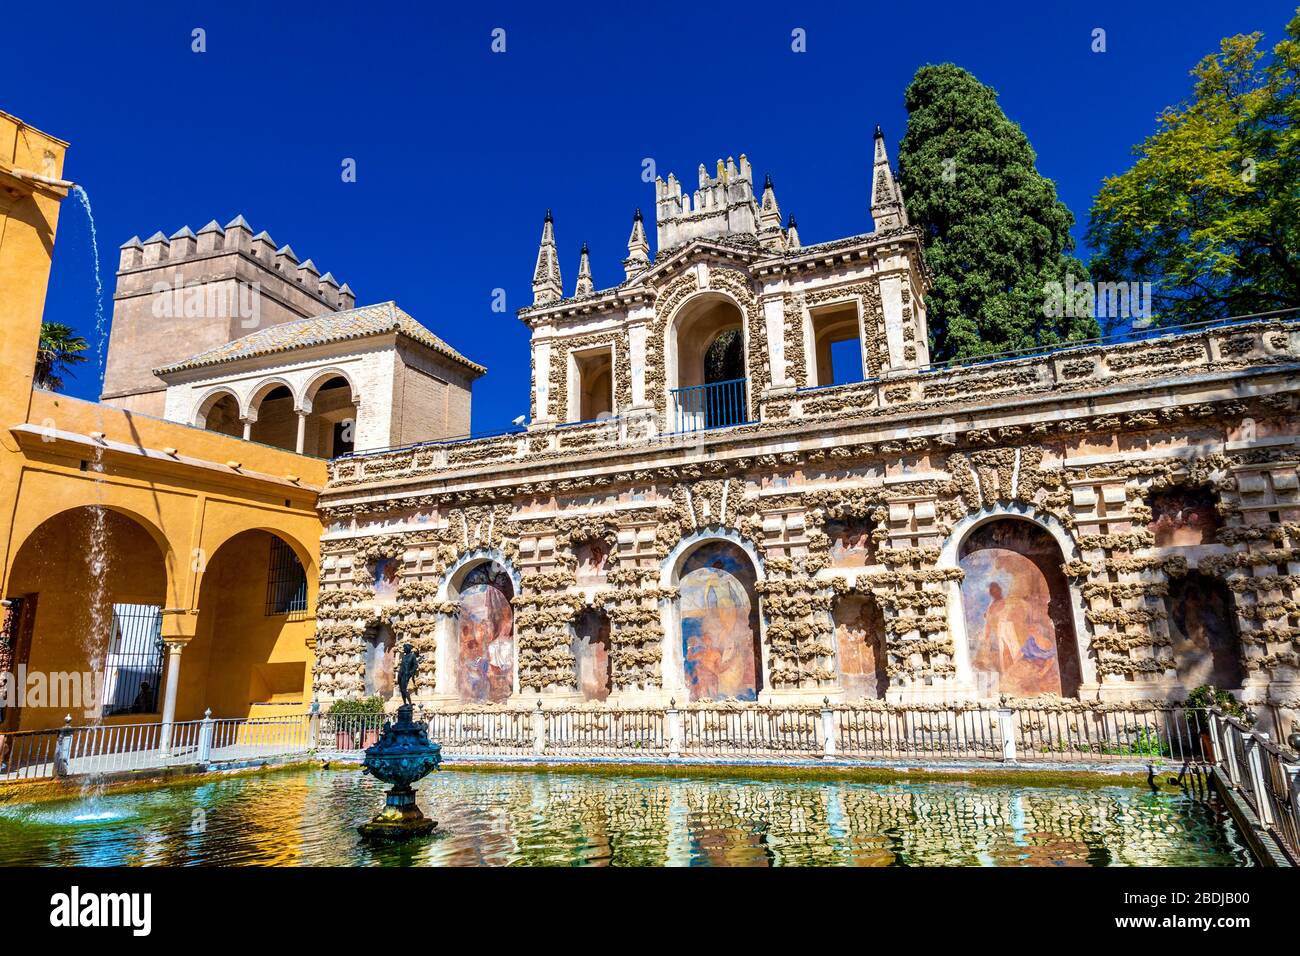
{"x": 692, "y": 329}
{"x": 330, "y": 418}
{"x": 272, "y": 413}
{"x": 91, "y": 609}
{"x": 478, "y": 646}
{"x": 1015, "y": 619}
{"x": 262, "y": 389}
{"x": 714, "y": 647}
{"x": 212, "y": 400}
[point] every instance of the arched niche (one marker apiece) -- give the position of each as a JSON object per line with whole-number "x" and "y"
{"x": 1017, "y": 611}
{"x": 592, "y": 649}
{"x": 480, "y": 659}
{"x": 860, "y": 657}
{"x": 1203, "y": 628}
{"x": 716, "y": 625}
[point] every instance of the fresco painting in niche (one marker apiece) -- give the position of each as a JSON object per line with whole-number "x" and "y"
{"x": 719, "y": 615}
{"x": 591, "y": 646}
{"x": 1018, "y": 624}
{"x": 485, "y": 669}
{"x": 387, "y": 577}
{"x": 1184, "y": 516}
{"x": 592, "y": 556}
{"x": 379, "y": 643}
{"x": 859, "y": 647}
{"x": 850, "y": 543}
{"x": 1204, "y": 633}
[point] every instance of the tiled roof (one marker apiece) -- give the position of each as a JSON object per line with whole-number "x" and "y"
{"x": 332, "y": 327}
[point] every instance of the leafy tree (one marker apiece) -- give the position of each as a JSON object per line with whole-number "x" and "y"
{"x": 58, "y": 350}
{"x": 1210, "y": 212}
{"x": 995, "y": 234}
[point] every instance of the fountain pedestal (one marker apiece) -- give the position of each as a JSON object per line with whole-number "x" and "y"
{"x": 402, "y": 756}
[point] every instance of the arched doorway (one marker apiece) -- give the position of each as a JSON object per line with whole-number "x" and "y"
{"x": 860, "y": 647}
{"x": 277, "y": 422}
{"x": 220, "y": 413}
{"x": 718, "y": 614}
{"x": 485, "y": 637}
{"x": 330, "y": 428}
{"x": 86, "y": 595}
{"x": 1016, "y": 601}
{"x": 591, "y": 654}
{"x": 706, "y": 364}
{"x": 253, "y": 619}
{"x": 1203, "y": 626}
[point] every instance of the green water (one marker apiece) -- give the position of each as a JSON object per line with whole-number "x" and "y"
{"x": 308, "y": 817}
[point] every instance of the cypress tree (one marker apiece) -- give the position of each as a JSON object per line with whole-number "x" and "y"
{"x": 995, "y": 234}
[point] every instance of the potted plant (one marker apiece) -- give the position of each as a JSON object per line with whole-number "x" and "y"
{"x": 1198, "y": 705}
{"x": 356, "y": 722}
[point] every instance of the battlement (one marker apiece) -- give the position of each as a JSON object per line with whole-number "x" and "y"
{"x": 721, "y": 204}
{"x": 235, "y": 236}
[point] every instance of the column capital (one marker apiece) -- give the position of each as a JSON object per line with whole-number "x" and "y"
{"x": 179, "y": 625}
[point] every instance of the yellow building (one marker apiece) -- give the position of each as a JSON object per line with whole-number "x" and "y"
{"x": 180, "y": 564}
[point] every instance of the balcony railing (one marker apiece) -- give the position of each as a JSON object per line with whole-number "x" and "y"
{"x": 716, "y": 405}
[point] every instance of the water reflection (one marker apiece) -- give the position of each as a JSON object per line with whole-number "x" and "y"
{"x": 498, "y": 819}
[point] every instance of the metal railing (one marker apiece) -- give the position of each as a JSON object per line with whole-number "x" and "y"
{"x": 1266, "y": 776}
{"x": 114, "y": 748}
{"x": 716, "y": 405}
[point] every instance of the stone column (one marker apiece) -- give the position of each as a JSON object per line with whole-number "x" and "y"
{"x": 302, "y": 430}
{"x": 178, "y": 628}
{"x": 248, "y": 428}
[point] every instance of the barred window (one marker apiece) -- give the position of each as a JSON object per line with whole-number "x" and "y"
{"x": 134, "y": 665}
{"x": 286, "y": 581}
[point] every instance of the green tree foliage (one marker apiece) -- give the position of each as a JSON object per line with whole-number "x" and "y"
{"x": 58, "y": 350}
{"x": 995, "y": 234}
{"x": 1210, "y": 212}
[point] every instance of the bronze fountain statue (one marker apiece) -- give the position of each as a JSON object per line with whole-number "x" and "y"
{"x": 402, "y": 756}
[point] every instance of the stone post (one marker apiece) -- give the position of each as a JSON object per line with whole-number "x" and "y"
{"x": 205, "y": 737}
{"x": 1255, "y": 762}
{"x": 313, "y": 724}
{"x": 1007, "y": 731}
{"x": 676, "y": 737}
{"x": 539, "y": 730}
{"x": 829, "y": 743}
{"x": 63, "y": 749}
{"x": 174, "y": 649}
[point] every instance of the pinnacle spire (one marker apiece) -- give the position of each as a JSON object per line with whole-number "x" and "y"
{"x": 791, "y": 234}
{"x": 887, "y": 210}
{"x": 585, "y": 286}
{"x": 638, "y": 248}
{"x": 769, "y": 218}
{"x": 547, "y": 286}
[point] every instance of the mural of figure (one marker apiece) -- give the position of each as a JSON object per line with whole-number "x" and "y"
{"x": 1184, "y": 516}
{"x": 859, "y": 635}
{"x": 719, "y": 620}
{"x": 850, "y": 543}
{"x": 592, "y": 557}
{"x": 485, "y": 668}
{"x": 1019, "y": 629}
{"x": 387, "y": 572}
{"x": 1204, "y": 633}
{"x": 591, "y": 646}
{"x": 378, "y": 678}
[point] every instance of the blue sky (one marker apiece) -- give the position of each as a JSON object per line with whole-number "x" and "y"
{"x": 460, "y": 151}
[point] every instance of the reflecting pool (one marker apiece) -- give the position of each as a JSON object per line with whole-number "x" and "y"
{"x": 308, "y": 817}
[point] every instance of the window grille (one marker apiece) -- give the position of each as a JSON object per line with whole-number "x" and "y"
{"x": 286, "y": 581}
{"x": 133, "y": 666}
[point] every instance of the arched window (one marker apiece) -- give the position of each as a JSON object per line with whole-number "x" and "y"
{"x": 330, "y": 429}
{"x": 277, "y": 423}
{"x": 591, "y": 649}
{"x": 1019, "y": 627}
{"x": 705, "y": 364}
{"x": 1203, "y": 626}
{"x": 860, "y": 647}
{"x": 718, "y": 610}
{"x": 221, "y": 414}
{"x": 485, "y": 639}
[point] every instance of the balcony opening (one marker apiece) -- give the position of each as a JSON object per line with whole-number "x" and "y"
{"x": 706, "y": 365}
{"x": 836, "y": 345}
{"x": 592, "y": 385}
{"x": 220, "y": 413}
{"x": 330, "y": 428}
